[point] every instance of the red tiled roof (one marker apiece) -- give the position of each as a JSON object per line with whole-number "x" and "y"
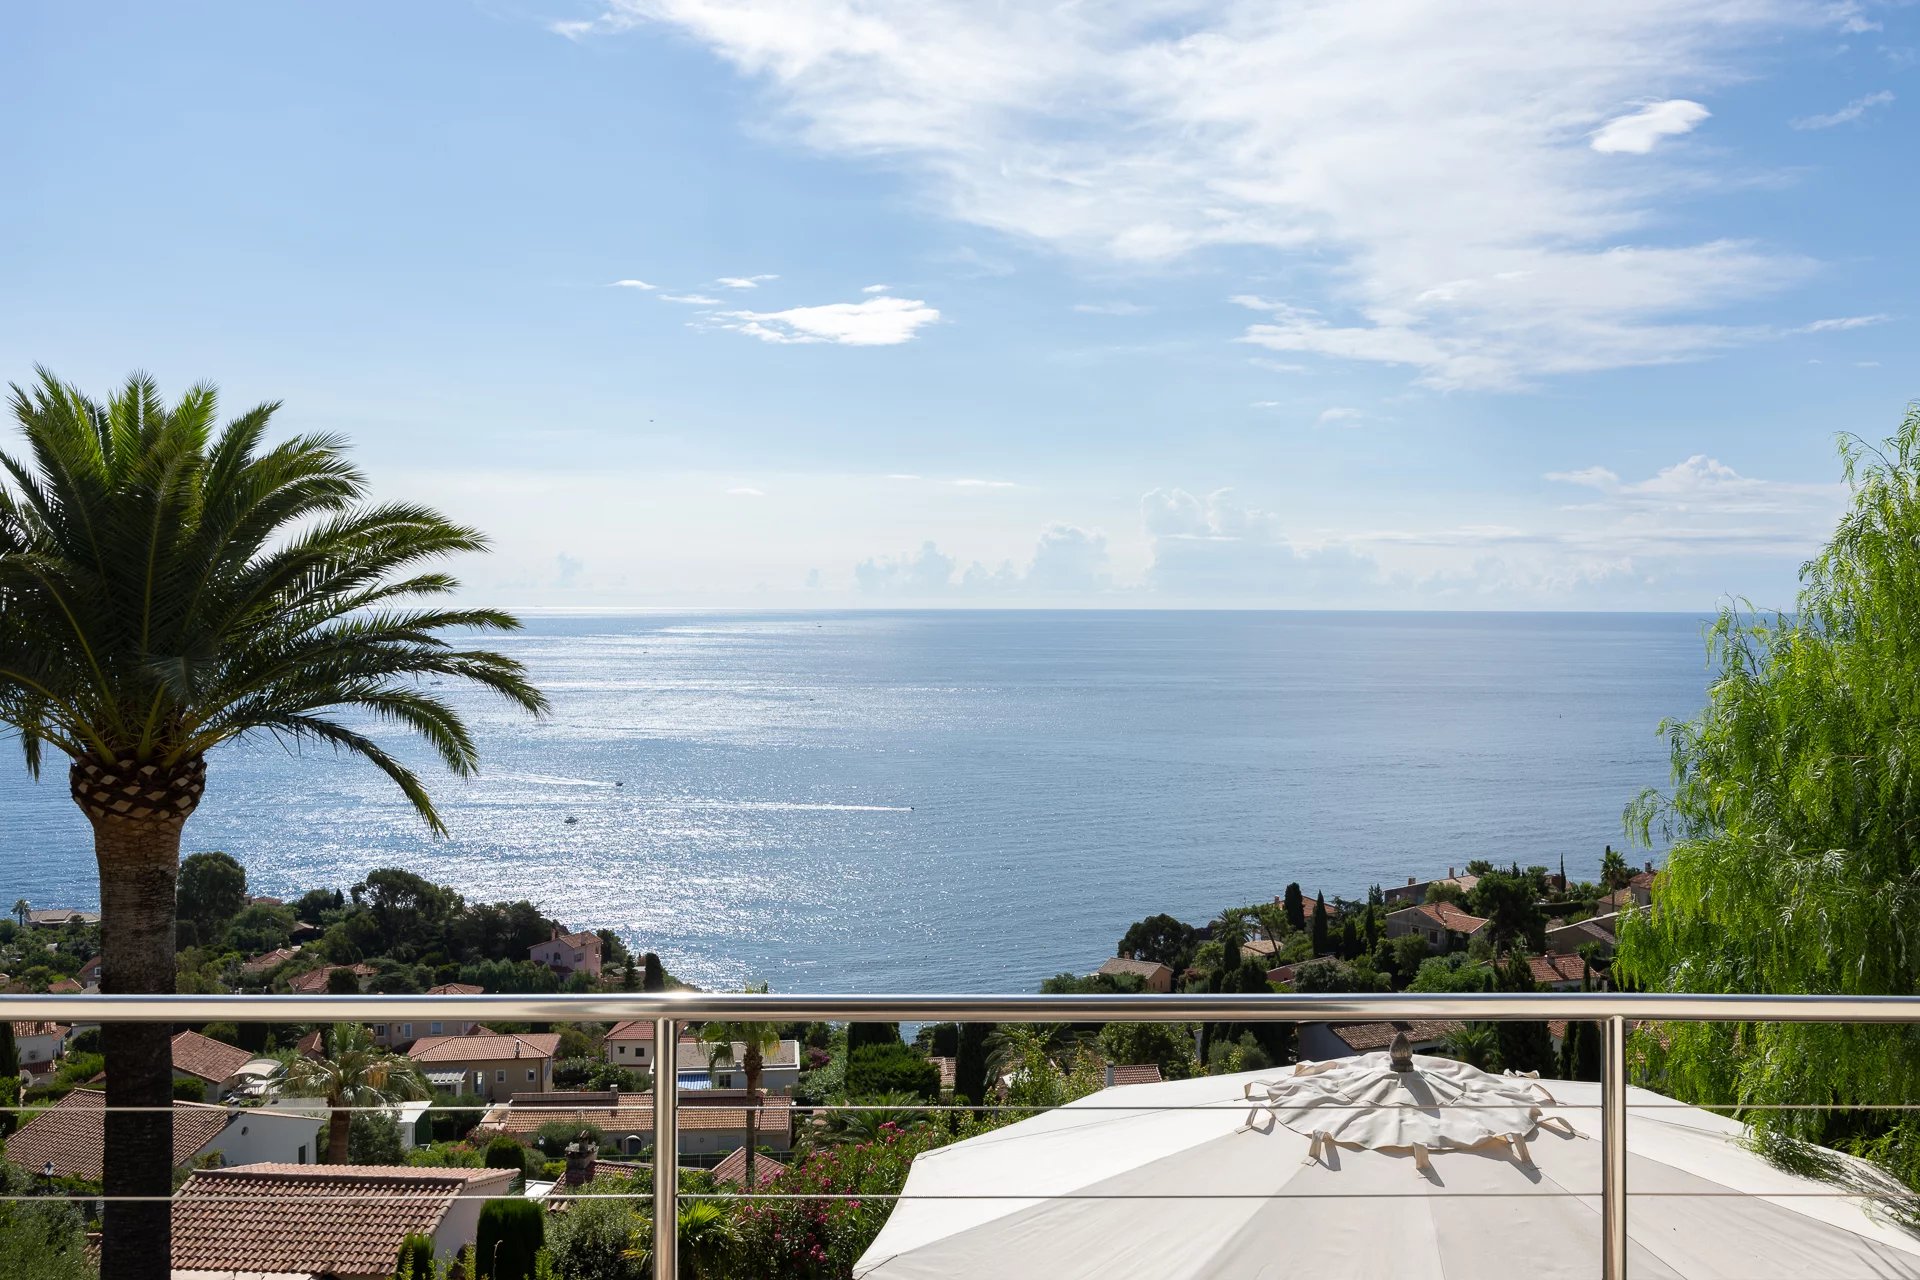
{"x": 733, "y": 1169}
{"x": 1145, "y": 969}
{"x": 456, "y": 989}
{"x": 484, "y": 1046}
{"x": 634, "y": 1113}
{"x": 1138, "y": 1073}
{"x": 271, "y": 959}
{"x": 313, "y": 1218}
{"x": 631, "y": 1030}
{"x": 1554, "y": 967}
{"x": 64, "y": 987}
{"x": 72, "y": 1133}
{"x": 1447, "y": 916}
{"x": 315, "y": 980}
{"x": 196, "y": 1055}
{"x": 1365, "y": 1037}
{"x": 38, "y": 1029}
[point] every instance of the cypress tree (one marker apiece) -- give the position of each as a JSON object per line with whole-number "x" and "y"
{"x": 1320, "y": 925}
{"x": 656, "y": 977}
{"x": 1524, "y": 1046}
{"x": 1296, "y": 907}
{"x": 507, "y": 1242}
{"x": 970, "y": 1062}
{"x": 416, "y": 1258}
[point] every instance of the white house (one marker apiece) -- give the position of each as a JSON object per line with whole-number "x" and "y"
{"x": 39, "y": 1043}
{"x": 71, "y": 1135}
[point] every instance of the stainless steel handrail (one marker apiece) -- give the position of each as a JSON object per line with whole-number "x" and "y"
{"x": 667, "y": 1011}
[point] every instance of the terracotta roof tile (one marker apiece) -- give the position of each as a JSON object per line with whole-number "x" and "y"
{"x": 484, "y": 1046}
{"x": 1365, "y": 1037}
{"x": 196, "y": 1055}
{"x": 314, "y": 1218}
{"x": 72, "y": 1132}
{"x": 1137, "y": 1073}
{"x": 1555, "y": 967}
{"x": 631, "y": 1030}
{"x": 733, "y": 1169}
{"x": 456, "y": 989}
{"x": 38, "y": 1029}
{"x": 634, "y": 1114}
{"x": 1446, "y": 915}
{"x": 314, "y": 981}
{"x": 1135, "y": 968}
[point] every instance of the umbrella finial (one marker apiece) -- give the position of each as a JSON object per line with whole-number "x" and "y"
{"x": 1400, "y": 1052}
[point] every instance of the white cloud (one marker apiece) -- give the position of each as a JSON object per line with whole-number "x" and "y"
{"x": 1142, "y": 134}
{"x": 1338, "y": 415}
{"x": 1111, "y": 308}
{"x": 1067, "y": 561}
{"x": 880, "y": 321}
{"x": 691, "y": 299}
{"x": 1641, "y": 132}
{"x": 747, "y": 491}
{"x": 902, "y": 475}
{"x": 1843, "y": 322}
{"x": 970, "y": 483}
{"x": 1265, "y": 404}
{"x": 875, "y": 288}
{"x": 633, "y": 284}
{"x": 1847, "y": 114}
{"x": 744, "y": 282}
{"x": 1216, "y": 549}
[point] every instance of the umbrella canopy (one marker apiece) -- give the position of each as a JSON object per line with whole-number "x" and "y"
{"x": 1349, "y": 1168}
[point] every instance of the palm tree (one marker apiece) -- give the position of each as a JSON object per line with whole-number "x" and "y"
{"x": 754, "y": 1039}
{"x": 708, "y": 1238}
{"x": 904, "y": 1111}
{"x": 167, "y": 587}
{"x": 1475, "y": 1043}
{"x": 21, "y": 908}
{"x": 354, "y": 1073}
{"x": 1614, "y": 871}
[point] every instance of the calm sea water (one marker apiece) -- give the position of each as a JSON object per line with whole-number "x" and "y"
{"x": 949, "y": 801}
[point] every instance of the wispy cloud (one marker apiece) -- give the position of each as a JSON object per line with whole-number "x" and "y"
{"x": 875, "y": 288}
{"x": 1843, "y": 322}
{"x": 970, "y": 483}
{"x": 690, "y": 299}
{"x": 1847, "y": 114}
{"x": 1265, "y": 404}
{"x": 633, "y": 284}
{"x": 1141, "y": 135}
{"x": 1111, "y": 308}
{"x": 1640, "y": 132}
{"x": 747, "y": 491}
{"x": 1339, "y": 416}
{"x": 880, "y": 321}
{"x": 744, "y": 282}
{"x": 902, "y": 475}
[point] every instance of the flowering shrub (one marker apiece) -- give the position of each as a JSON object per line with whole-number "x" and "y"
{"x": 821, "y": 1239}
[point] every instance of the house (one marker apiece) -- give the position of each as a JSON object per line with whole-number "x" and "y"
{"x": 1282, "y": 974}
{"x": 71, "y": 1134}
{"x": 779, "y": 1069}
{"x": 60, "y": 918}
{"x": 1637, "y": 892}
{"x": 398, "y": 1035}
{"x": 1443, "y": 925}
{"x": 314, "y": 981}
{"x": 65, "y": 987}
{"x": 1308, "y": 904}
{"x": 732, "y": 1169}
{"x": 713, "y": 1122}
{"x": 949, "y": 1068}
{"x": 1156, "y": 975}
{"x": 1139, "y": 1073}
{"x": 495, "y": 1065}
{"x": 343, "y": 1221}
{"x": 569, "y": 953}
{"x": 1414, "y": 892}
{"x": 38, "y": 1044}
{"x": 1320, "y": 1041}
{"x": 1567, "y": 939}
{"x": 267, "y": 961}
{"x": 89, "y": 975}
{"x": 629, "y": 1044}
{"x": 213, "y": 1064}
{"x": 1264, "y": 948}
{"x": 1556, "y": 971}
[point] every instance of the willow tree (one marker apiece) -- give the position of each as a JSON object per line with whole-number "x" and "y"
{"x": 167, "y": 586}
{"x": 1794, "y": 811}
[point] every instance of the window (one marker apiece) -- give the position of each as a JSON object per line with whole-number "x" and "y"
{"x": 530, "y": 1075}
{"x": 433, "y": 1028}
{"x": 500, "y": 1076}
{"x": 621, "y": 1050}
{"x": 406, "y": 1031}
{"x": 303, "y": 1154}
{"x": 379, "y": 1031}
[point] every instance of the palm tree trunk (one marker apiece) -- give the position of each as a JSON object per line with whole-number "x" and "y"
{"x": 753, "y": 1113}
{"x": 137, "y": 816}
{"x": 339, "y": 1133}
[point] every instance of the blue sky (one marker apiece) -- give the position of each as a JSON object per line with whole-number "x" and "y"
{"x": 1428, "y": 305}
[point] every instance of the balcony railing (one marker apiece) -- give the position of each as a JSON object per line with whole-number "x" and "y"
{"x": 1615, "y": 1014}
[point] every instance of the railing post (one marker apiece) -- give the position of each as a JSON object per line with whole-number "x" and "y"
{"x": 666, "y": 1151}
{"x": 1613, "y": 1148}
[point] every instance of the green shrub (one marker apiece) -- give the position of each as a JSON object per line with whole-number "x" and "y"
{"x": 891, "y": 1068}
{"x": 189, "y": 1089}
{"x": 507, "y": 1242}
{"x": 553, "y": 1138}
{"x": 416, "y": 1259}
{"x": 374, "y": 1138}
{"x": 591, "y": 1239}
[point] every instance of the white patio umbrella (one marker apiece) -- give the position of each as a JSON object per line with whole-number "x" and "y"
{"x": 1350, "y": 1169}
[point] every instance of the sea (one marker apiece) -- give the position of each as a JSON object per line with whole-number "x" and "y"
{"x": 962, "y": 801}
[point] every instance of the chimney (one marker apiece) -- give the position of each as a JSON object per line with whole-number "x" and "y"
{"x": 1109, "y": 1070}
{"x": 1412, "y": 881}
{"x": 580, "y": 1160}
{"x": 1649, "y": 866}
{"x": 1450, "y": 873}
